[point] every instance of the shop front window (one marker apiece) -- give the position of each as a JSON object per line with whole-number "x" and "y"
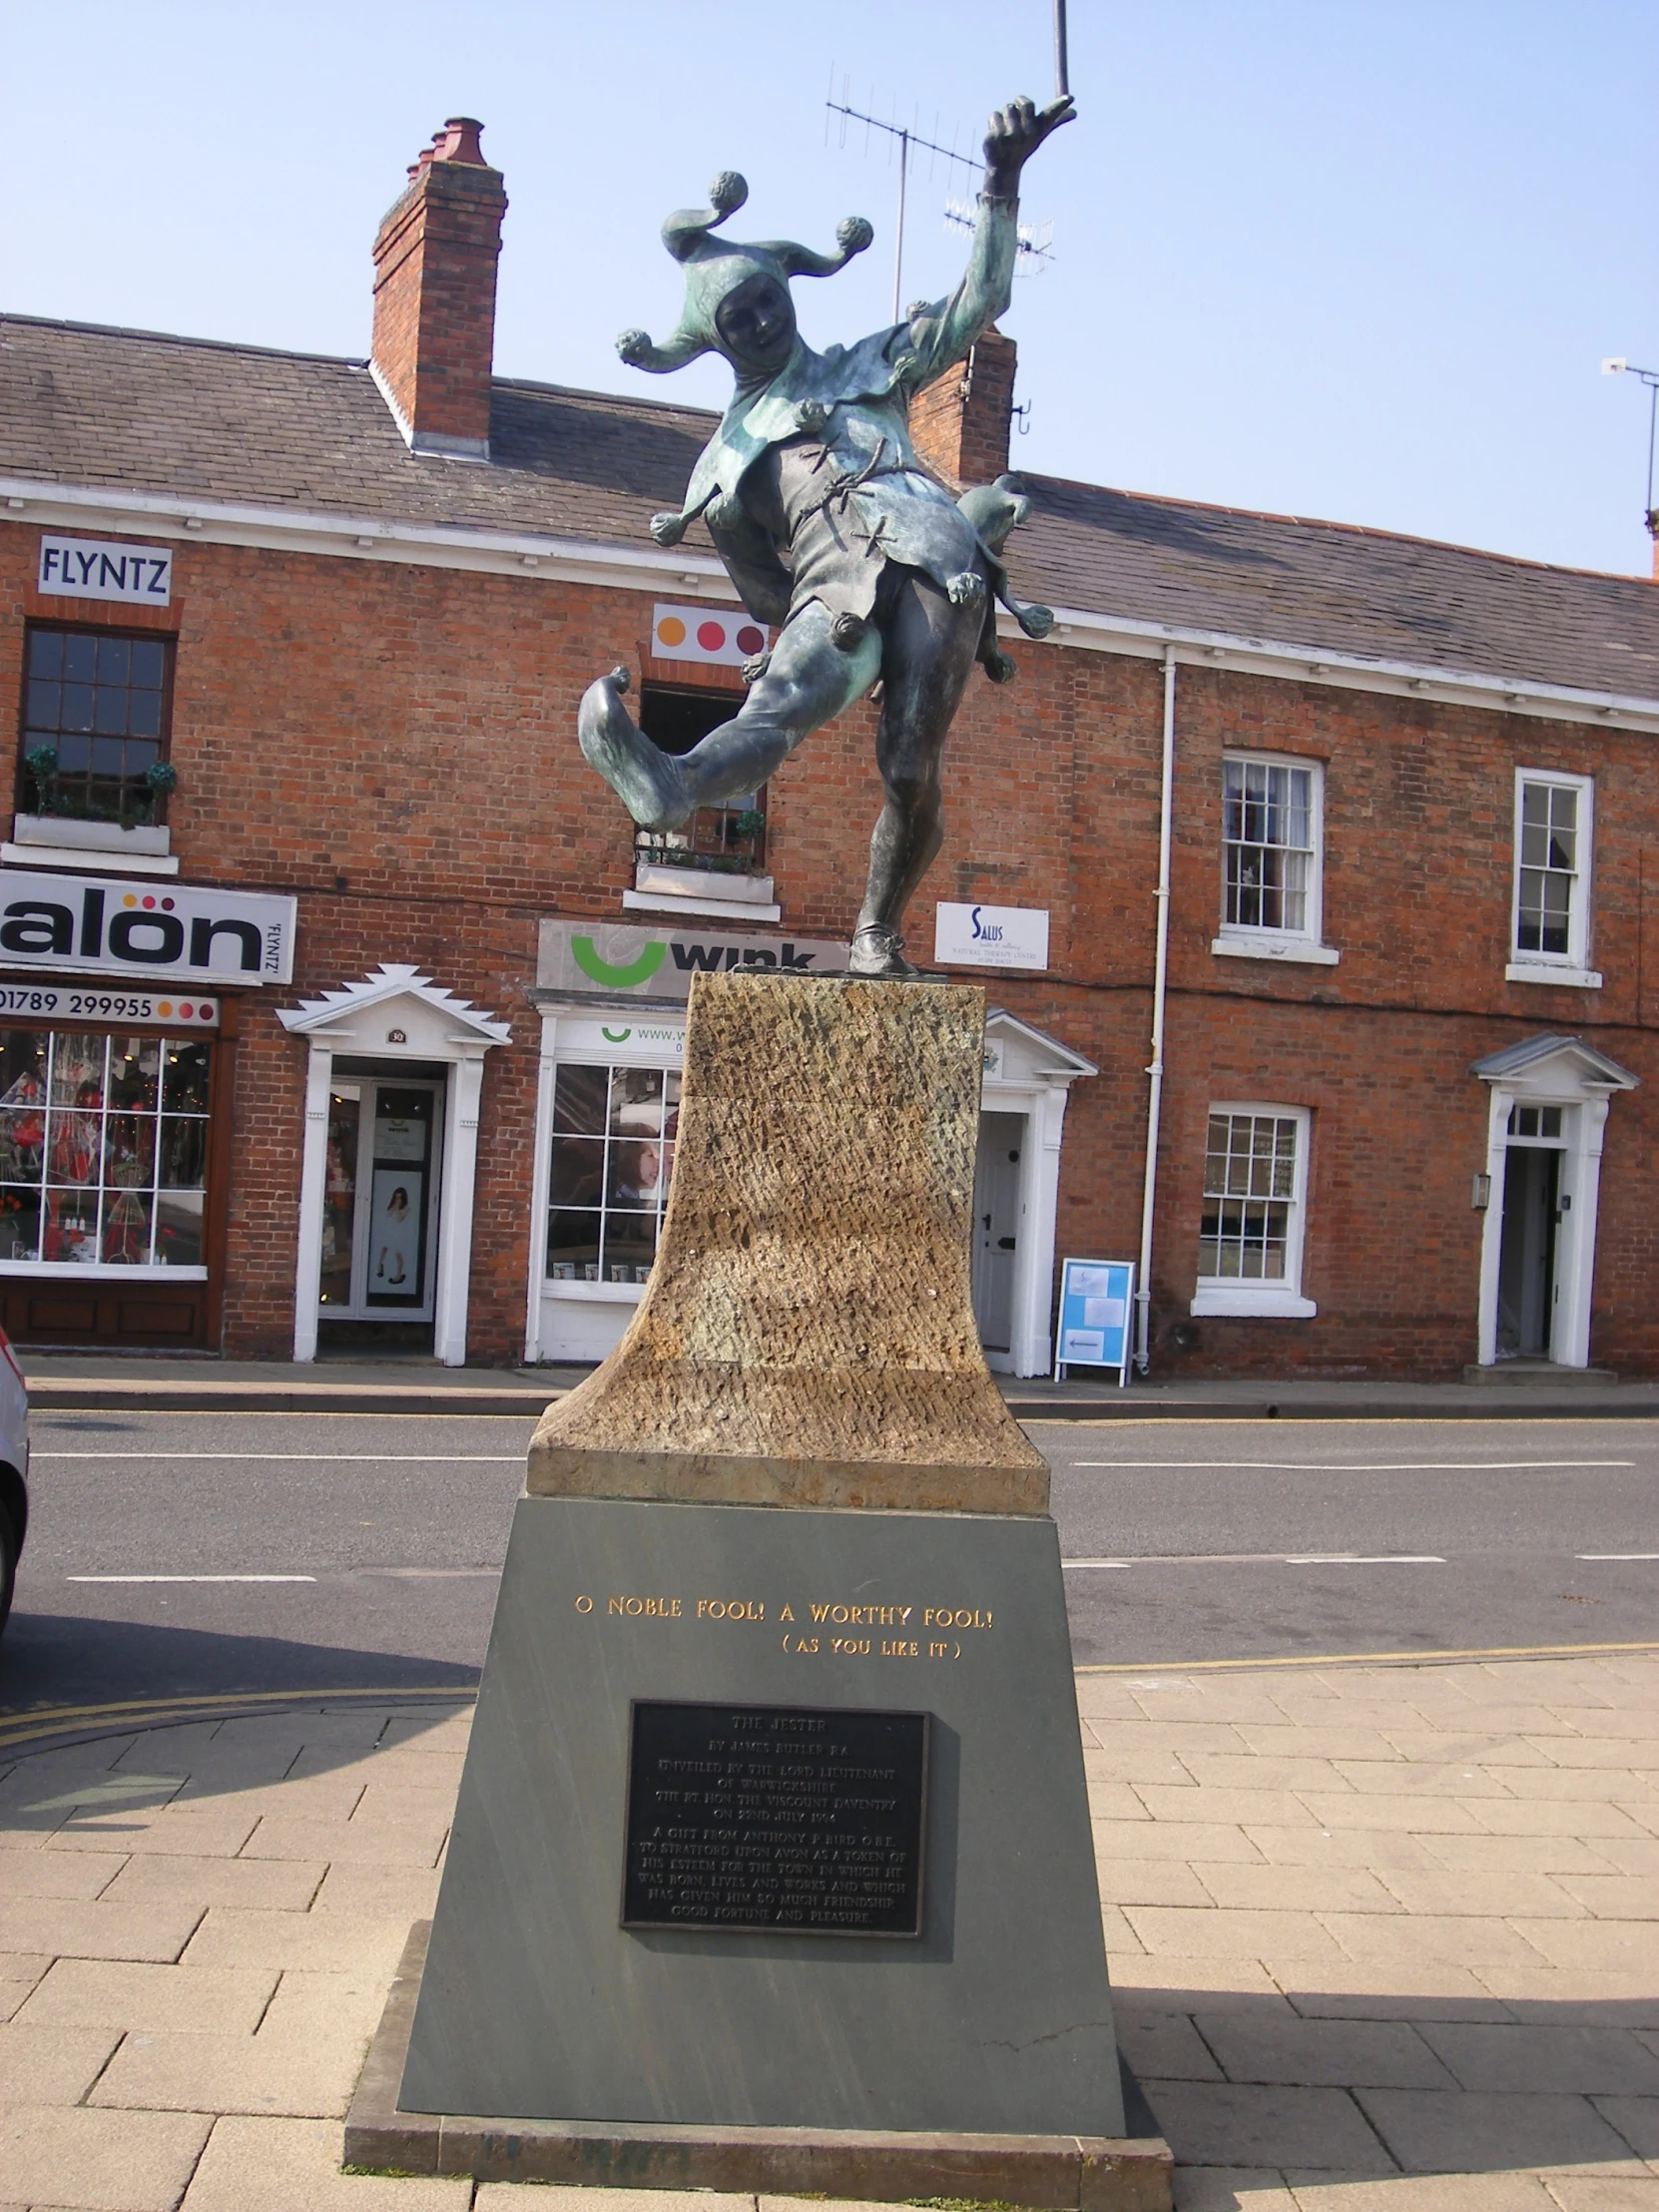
{"x": 103, "y": 1147}
{"x": 613, "y": 1151}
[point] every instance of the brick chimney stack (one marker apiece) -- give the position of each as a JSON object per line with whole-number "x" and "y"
{"x": 434, "y": 296}
{"x": 960, "y": 425}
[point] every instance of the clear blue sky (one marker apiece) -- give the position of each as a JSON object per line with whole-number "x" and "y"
{"x": 1357, "y": 258}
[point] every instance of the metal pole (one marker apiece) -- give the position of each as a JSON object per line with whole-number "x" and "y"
{"x": 899, "y": 240}
{"x": 1062, "y": 74}
{"x": 1160, "y": 978}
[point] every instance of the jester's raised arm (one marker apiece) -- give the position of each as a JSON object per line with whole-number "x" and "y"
{"x": 942, "y": 331}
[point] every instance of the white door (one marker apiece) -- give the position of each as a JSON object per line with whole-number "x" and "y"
{"x": 381, "y": 1199}
{"x": 997, "y": 1224}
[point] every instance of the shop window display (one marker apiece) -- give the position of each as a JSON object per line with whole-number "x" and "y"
{"x": 613, "y": 1152}
{"x": 103, "y": 1147}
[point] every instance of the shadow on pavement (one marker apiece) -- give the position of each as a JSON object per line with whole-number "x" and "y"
{"x": 1329, "y": 2085}
{"x": 56, "y": 1660}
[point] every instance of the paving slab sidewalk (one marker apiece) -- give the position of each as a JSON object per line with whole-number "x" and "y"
{"x": 1384, "y": 1940}
{"x": 181, "y": 1382}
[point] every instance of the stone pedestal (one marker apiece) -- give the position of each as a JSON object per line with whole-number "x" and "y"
{"x": 790, "y": 1503}
{"x": 807, "y": 1337}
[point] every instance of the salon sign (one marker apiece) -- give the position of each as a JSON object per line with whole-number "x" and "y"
{"x": 186, "y": 933}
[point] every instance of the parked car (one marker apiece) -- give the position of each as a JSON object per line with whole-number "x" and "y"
{"x": 14, "y": 1471}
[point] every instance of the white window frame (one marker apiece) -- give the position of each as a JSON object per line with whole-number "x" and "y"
{"x": 1243, "y": 941}
{"x": 1570, "y": 969}
{"x": 1233, "y": 1295}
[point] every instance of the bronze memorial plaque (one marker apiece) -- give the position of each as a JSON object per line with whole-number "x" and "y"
{"x": 756, "y": 1818}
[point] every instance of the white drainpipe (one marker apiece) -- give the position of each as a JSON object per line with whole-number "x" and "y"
{"x": 1155, "y": 1069}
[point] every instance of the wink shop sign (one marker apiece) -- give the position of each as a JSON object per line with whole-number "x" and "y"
{"x": 593, "y": 959}
{"x": 78, "y": 924}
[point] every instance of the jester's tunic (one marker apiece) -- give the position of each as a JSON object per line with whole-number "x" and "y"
{"x": 811, "y": 486}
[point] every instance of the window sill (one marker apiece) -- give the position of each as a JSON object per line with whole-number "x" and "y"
{"x": 607, "y": 1294}
{"x": 1299, "y": 951}
{"x": 47, "y": 839}
{"x": 1566, "y": 978}
{"x": 659, "y": 880}
{"x": 101, "y": 1271}
{"x": 1261, "y": 1301}
{"x": 84, "y": 861}
{"x": 666, "y": 901}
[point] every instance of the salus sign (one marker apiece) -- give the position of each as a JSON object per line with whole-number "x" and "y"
{"x": 91, "y": 925}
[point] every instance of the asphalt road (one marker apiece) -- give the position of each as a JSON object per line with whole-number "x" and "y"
{"x": 195, "y": 1552}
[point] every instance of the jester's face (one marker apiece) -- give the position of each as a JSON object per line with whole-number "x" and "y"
{"x": 756, "y": 326}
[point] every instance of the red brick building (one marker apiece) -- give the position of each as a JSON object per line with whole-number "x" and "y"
{"x": 340, "y": 1007}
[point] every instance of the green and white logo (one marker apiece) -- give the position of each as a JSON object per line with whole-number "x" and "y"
{"x": 617, "y": 975}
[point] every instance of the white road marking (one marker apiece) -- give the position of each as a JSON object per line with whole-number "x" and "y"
{"x": 189, "y": 1578}
{"x": 1365, "y": 1559}
{"x": 1616, "y": 1554}
{"x": 373, "y": 1459}
{"x": 1361, "y": 1466}
{"x": 1267, "y": 1560}
{"x": 430, "y": 1574}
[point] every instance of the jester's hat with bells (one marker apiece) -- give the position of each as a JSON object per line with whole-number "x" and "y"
{"x": 800, "y": 395}
{"x": 715, "y": 267}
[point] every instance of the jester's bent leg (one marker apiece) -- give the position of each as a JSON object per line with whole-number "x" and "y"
{"x": 808, "y": 681}
{"x": 929, "y": 645}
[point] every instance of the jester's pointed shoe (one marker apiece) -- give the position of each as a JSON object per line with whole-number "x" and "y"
{"x": 646, "y": 780}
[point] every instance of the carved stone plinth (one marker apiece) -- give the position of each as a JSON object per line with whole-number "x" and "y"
{"x": 808, "y": 1334}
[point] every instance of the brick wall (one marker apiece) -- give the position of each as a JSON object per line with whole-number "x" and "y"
{"x": 396, "y": 745}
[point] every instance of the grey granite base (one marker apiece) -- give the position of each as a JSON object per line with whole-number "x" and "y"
{"x": 535, "y": 2001}
{"x": 1130, "y": 2173}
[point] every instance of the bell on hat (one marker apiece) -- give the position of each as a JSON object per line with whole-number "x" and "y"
{"x": 715, "y": 267}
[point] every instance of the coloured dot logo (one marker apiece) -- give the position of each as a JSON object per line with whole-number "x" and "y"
{"x": 696, "y": 634}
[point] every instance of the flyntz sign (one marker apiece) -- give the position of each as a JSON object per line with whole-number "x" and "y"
{"x": 92, "y": 568}
{"x": 597, "y": 959}
{"x": 101, "y": 926}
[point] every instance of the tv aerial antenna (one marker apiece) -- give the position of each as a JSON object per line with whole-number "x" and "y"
{"x": 1616, "y": 366}
{"x": 906, "y": 138}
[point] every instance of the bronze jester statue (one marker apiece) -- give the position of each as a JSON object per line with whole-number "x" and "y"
{"x": 831, "y": 527}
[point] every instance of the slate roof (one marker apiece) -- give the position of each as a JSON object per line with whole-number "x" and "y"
{"x": 136, "y": 411}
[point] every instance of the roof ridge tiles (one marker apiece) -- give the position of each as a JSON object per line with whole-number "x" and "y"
{"x": 1342, "y": 529}
{"x": 177, "y": 338}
